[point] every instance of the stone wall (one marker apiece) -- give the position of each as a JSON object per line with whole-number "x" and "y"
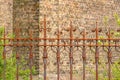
{"x": 6, "y": 19}
{"x": 83, "y": 14}
{"x": 6, "y": 10}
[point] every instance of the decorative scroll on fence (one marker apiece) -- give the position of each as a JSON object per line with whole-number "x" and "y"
{"x": 71, "y": 42}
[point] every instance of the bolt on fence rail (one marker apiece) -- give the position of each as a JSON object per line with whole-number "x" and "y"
{"x": 86, "y": 42}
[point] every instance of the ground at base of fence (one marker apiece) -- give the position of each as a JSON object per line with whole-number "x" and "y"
{"x": 64, "y": 77}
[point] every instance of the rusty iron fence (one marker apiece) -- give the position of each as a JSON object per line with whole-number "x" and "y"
{"x": 82, "y": 42}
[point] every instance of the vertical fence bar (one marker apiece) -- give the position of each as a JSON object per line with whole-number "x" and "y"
{"x": 45, "y": 48}
{"x": 109, "y": 55}
{"x": 84, "y": 53}
{"x": 17, "y": 54}
{"x": 58, "y": 49}
{"x": 71, "y": 52}
{"x": 31, "y": 55}
{"x": 96, "y": 52}
{"x": 58, "y": 55}
{"x": 17, "y": 66}
{"x": 17, "y": 57}
{"x": 30, "y": 58}
{"x": 4, "y": 55}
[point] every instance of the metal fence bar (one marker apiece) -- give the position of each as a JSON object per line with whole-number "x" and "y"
{"x": 71, "y": 51}
{"x": 17, "y": 66}
{"x": 38, "y": 39}
{"x": 96, "y": 52}
{"x": 45, "y": 49}
{"x": 4, "y": 55}
{"x": 17, "y": 31}
{"x": 31, "y": 55}
{"x": 109, "y": 56}
{"x": 65, "y": 45}
{"x": 84, "y": 53}
{"x": 58, "y": 55}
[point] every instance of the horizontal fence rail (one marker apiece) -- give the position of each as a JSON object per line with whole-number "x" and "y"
{"x": 58, "y": 42}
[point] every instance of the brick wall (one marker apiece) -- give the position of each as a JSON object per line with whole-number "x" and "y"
{"x": 25, "y": 17}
